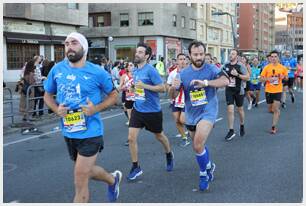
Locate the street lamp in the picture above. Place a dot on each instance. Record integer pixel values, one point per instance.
(231, 17)
(110, 38)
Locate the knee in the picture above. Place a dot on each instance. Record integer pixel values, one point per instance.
(81, 177)
(159, 136)
(197, 147)
(230, 110)
(132, 139)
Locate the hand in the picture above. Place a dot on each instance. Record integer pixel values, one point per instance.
(88, 109)
(197, 83)
(139, 84)
(176, 83)
(234, 72)
(62, 110)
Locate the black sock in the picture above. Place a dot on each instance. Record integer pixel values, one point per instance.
(169, 155)
(135, 164)
(273, 127)
(242, 126)
(231, 130)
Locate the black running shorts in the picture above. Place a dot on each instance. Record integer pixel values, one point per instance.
(129, 104)
(234, 97)
(86, 147)
(270, 97)
(152, 121)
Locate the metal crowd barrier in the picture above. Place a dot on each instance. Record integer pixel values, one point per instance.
(28, 99)
(9, 100)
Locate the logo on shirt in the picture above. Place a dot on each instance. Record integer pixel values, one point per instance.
(86, 77)
(59, 75)
(71, 77)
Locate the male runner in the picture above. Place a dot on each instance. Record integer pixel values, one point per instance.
(273, 74)
(290, 63)
(78, 85)
(178, 104)
(234, 92)
(199, 81)
(147, 110)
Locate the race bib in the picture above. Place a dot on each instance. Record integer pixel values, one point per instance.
(130, 96)
(275, 81)
(74, 121)
(198, 97)
(140, 94)
(232, 82)
(254, 81)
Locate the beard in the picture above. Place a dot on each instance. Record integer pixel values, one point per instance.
(198, 63)
(137, 60)
(75, 56)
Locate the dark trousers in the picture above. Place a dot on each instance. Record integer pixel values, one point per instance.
(38, 92)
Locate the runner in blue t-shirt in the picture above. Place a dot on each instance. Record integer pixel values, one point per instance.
(255, 85)
(291, 64)
(199, 81)
(78, 85)
(147, 110)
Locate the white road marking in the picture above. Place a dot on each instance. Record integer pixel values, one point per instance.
(53, 132)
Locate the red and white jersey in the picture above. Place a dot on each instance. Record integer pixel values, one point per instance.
(179, 101)
(128, 82)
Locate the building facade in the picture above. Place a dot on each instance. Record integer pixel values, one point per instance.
(289, 27)
(115, 29)
(216, 30)
(37, 29)
(256, 27)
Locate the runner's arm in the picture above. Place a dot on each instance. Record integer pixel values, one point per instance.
(50, 102)
(110, 100)
(220, 82)
(156, 88)
(172, 92)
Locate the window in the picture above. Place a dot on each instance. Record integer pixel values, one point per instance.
(73, 6)
(18, 54)
(59, 53)
(90, 21)
(192, 24)
(174, 20)
(183, 22)
(124, 20)
(100, 19)
(145, 18)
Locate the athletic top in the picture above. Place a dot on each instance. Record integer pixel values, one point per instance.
(72, 87)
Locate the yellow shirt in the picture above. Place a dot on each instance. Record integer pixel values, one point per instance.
(274, 71)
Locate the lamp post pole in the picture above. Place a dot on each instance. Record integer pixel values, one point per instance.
(232, 24)
(109, 39)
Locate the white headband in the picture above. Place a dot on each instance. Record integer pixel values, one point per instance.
(81, 39)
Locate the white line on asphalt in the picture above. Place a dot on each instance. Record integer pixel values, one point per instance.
(53, 132)
(262, 101)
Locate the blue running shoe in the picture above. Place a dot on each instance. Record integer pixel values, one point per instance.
(210, 172)
(134, 173)
(170, 162)
(113, 190)
(203, 184)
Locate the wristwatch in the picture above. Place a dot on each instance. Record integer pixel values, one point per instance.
(238, 75)
(205, 82)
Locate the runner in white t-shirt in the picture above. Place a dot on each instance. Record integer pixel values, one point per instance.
(178, 104)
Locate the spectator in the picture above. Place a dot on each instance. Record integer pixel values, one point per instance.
(25, 82)
(215, 61)
(38, 91)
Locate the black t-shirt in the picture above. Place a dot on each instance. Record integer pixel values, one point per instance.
(235, 82)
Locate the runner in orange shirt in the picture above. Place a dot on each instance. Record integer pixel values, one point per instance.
(273, 74)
